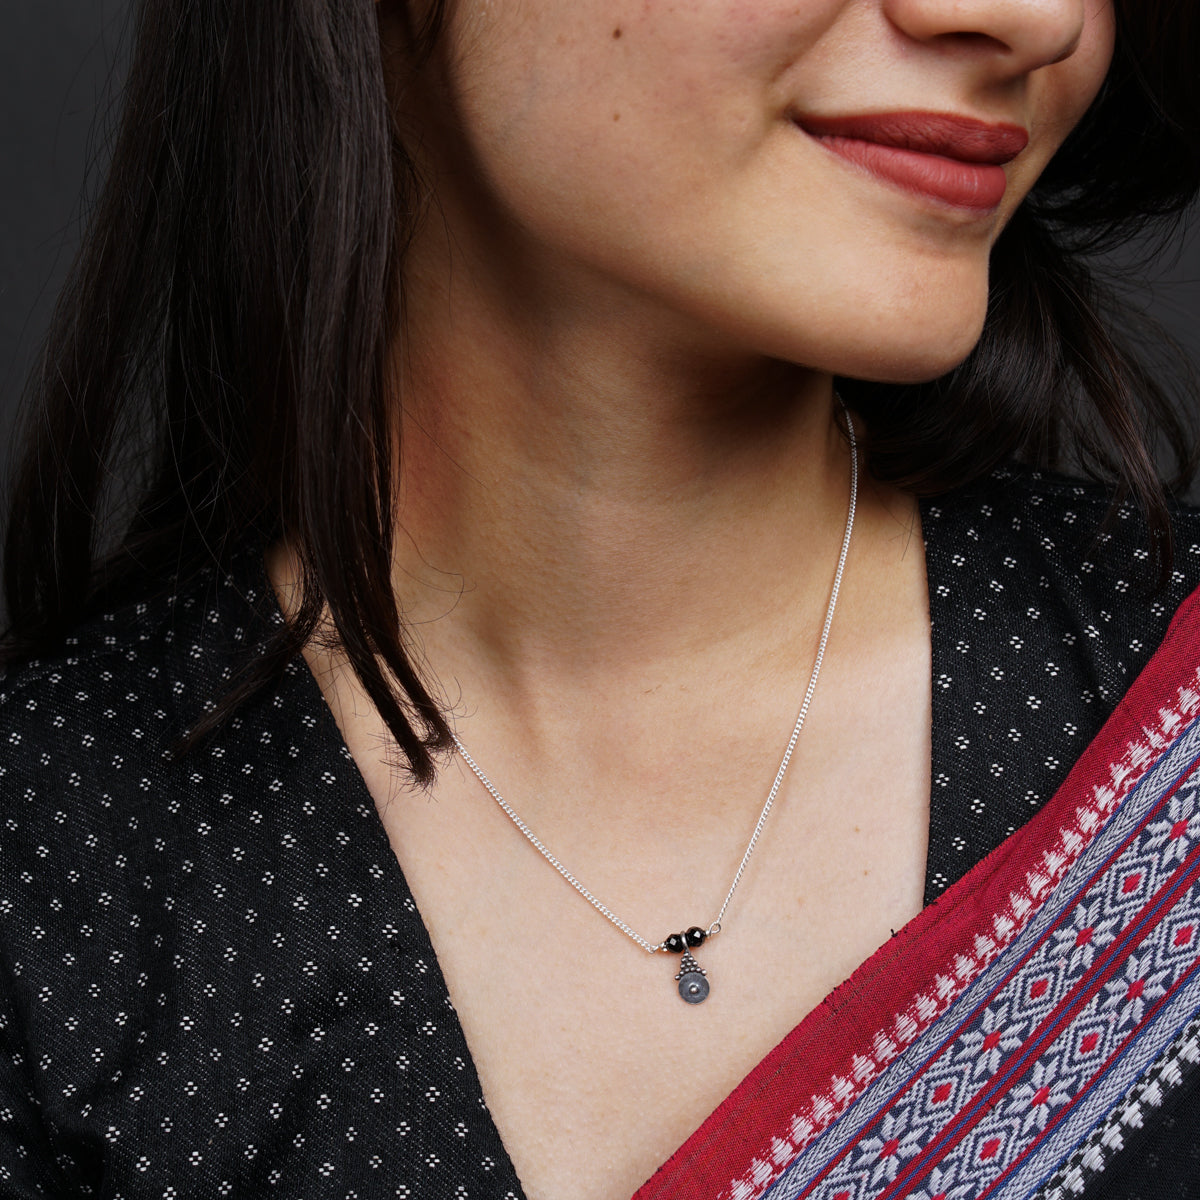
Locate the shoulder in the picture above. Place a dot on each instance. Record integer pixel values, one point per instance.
(145, 670)
(87, 733)
(104, 821)
(1068, 530)
(1030, 560)
(1031, 508)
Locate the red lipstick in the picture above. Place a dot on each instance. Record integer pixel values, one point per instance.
(957, 160)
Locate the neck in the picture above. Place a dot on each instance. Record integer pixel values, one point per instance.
(577, 500)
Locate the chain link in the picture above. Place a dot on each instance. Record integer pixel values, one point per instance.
(715, 926)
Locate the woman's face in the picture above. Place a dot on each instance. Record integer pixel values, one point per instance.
(763, 174)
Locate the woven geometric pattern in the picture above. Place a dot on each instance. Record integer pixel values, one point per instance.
(986, 1044)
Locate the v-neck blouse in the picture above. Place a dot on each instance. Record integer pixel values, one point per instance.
(213, 977)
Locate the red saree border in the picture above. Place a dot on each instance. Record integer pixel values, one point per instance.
(893, 997)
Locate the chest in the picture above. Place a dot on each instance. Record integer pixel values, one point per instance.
(593, 1068)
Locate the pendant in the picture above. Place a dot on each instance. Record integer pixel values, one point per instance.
(693, 986)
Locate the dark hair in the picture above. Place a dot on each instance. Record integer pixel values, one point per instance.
(215, 372)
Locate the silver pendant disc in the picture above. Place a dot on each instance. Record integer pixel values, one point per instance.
(693, 987)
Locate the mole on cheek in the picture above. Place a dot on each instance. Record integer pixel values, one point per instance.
(617, 32)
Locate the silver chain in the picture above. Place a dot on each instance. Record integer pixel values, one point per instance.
(715, 926)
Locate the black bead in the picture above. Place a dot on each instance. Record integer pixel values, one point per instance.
(675, 943)
(696, 936)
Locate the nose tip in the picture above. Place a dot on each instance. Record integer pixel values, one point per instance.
(1031, 33)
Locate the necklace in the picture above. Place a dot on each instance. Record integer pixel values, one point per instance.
(691, 977)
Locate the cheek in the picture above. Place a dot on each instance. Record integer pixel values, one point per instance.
(559, 119)
(629, 86)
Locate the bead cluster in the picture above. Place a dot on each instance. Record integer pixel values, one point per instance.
(677, 943)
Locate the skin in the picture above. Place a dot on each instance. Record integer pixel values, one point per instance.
(622, 499)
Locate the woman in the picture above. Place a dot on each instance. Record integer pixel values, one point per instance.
(487, 360)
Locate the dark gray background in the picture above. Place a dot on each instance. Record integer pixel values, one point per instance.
(61, 64)
(56, 57)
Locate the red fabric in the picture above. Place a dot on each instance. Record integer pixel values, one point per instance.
(938, 943)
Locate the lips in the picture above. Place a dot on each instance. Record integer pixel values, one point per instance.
(956, 160)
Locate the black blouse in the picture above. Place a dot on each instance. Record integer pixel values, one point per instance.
(213, 978)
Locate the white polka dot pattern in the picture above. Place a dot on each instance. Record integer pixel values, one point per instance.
(213, 979)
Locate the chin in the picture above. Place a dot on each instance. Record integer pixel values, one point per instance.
(887, 330)
(912, 352)
(914, 368)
